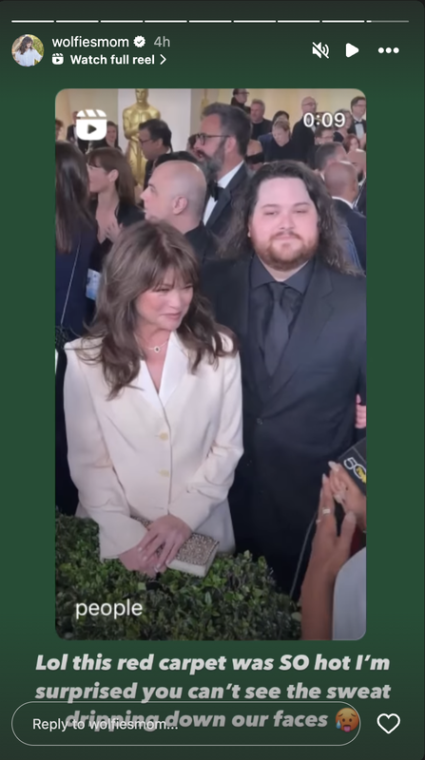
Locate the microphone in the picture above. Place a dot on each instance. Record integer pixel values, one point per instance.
(354, 462)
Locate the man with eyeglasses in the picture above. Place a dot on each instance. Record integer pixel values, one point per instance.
(155, 141)
(221, 147)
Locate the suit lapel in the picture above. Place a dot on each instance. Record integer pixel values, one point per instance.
(223, 201)
(139, 407)
(226, 195)
(176, 368)
(143, 382)
(315, 311)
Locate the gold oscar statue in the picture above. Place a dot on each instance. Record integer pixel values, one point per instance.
(140, 112)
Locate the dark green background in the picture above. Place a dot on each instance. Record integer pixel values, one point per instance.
(267, 55)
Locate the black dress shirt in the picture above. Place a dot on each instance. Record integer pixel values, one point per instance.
(262, 128)
(260, 301)
(203, 242)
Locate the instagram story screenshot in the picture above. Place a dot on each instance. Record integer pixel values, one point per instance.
(189, 556)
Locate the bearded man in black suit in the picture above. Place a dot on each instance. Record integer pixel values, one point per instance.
(299, 313)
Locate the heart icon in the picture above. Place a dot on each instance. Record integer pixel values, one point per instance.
(388, 718)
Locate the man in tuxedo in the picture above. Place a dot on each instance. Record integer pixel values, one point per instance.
(221, 147)
(303, 136)
(341, 182)
(301, 323)
(358, 159)
(176, 194)
(358, 110)
(71, 135)
(260, 125)
(155, 140)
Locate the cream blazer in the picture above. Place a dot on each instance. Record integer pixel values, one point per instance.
(151, 454)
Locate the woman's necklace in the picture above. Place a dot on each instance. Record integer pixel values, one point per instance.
(157, 349)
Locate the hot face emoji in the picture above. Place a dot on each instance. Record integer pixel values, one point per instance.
(347, 720)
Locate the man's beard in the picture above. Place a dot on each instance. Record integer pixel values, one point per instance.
(212, 165)
(281, 256)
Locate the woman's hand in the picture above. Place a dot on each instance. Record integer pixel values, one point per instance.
(346, 493)
(329, 551)
(168, 533)
(132, 560)
(360, 414)
(113, 229)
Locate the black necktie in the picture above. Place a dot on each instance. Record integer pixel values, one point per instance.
(277, 329)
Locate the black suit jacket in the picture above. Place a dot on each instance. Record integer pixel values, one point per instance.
(303, 139)
(352, 129)
(308, 418)
(361, 200)
(82, 144)
(356, 223)
(148, 173)
(203, 242)
(219, 220)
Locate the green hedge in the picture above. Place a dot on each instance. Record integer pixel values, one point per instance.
(236, 601)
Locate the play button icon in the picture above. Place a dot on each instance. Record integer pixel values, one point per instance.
(350, 50)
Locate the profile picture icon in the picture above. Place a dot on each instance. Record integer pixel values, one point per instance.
(347, 720)
(28, 50)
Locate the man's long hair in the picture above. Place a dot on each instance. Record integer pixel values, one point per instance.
(330, 250)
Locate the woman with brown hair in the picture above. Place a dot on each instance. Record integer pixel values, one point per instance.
(351, 142)
(110, 140)
(341, 132)
(112, 189)
(75, 240)
(27, 55)
(75, 237)
(153, 405)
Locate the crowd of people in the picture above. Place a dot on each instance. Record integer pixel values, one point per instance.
(211, 335)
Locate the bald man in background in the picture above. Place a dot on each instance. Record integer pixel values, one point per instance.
(342, 184)
(358, 159)
(176, 194)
